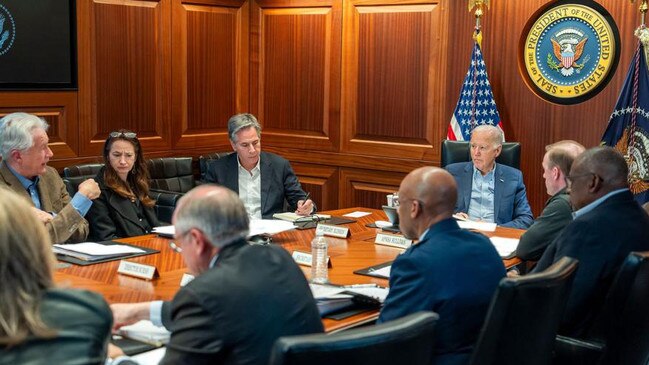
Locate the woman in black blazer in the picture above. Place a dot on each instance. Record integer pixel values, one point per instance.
(124, 208)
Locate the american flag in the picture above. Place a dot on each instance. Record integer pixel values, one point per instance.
(476, 105)
(628, 127)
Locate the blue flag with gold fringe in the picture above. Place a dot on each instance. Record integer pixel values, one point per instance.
(628, 127)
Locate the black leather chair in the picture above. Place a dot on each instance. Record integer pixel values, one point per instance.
(620, 334)
(408, 340)
(460, 151)
(165, 200)
(524, 316)
(75, 175)
(204, 161)
(171, 174)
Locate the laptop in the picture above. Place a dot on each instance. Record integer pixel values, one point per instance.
(393, 217)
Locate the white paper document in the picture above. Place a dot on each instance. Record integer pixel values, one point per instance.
(377, 292)
(269, 226)
(480, 226)
(145, 331)
(383, 272)
(96, 249)
(504, 246)
(356, 214)
(152, 357)
(165, 231)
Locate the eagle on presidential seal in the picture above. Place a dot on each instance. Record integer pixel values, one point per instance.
(568, 47)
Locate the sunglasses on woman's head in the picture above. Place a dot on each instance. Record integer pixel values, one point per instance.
(122, 134)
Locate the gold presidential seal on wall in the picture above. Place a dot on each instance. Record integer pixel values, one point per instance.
(569, 51)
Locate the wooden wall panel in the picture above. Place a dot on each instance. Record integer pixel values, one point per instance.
(367, 188)
(124, 73)
(392, 78)
(58, 109)
(295, 79)
(321, 181)
(210, 70)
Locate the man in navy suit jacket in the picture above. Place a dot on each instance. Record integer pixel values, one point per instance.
(608, 225)
(264, 181)
(488, 191)
(451, 271)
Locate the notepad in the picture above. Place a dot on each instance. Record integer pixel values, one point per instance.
(504, 246)
(294, 217)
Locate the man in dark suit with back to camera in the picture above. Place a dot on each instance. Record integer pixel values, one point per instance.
(244, 296)
(608, 225)
(489, 191)
(263, 180)
(557, 213)
(451, 271)
(25, 153)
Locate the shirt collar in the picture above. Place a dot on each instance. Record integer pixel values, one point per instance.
(596, 203)
(254, 169)
(489, 174)
(25, 182)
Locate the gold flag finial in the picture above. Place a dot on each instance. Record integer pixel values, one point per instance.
(479, 12)
(643, 11)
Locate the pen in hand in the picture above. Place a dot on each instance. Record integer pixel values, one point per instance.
(306, 198)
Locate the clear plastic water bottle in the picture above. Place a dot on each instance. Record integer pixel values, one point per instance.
(319, 273)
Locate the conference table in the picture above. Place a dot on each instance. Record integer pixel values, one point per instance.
(346, 255)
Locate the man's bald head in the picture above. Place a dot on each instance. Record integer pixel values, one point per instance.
(427, 195)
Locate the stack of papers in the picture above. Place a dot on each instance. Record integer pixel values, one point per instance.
(479, 226)
(330, 299)
(504, 246)
(146, 332)
(257, 226)
(165, 231)
(91, 251)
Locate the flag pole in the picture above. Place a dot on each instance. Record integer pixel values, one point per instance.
(641, 32)
(643, 12)
(479, 6)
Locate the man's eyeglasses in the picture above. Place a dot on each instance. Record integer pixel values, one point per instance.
(130, 135)
(571, 179)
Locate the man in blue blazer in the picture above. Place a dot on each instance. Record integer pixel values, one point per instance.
(450, 271)
(488, 191)
(264, 181)
(608, 225)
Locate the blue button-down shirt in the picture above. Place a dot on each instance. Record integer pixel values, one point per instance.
(481, 206)
(79, 202)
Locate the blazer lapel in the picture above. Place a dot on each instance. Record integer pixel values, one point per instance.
(123, 208)
(231, 175)
(499, 182)
(266, 168)
(468, 181)
(12, 182)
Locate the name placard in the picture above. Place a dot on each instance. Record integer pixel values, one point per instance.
(304, 258)
(137, 270)
(392, 240)
(334, 231)
(186, 279)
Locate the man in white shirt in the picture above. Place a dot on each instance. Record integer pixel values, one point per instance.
(264, 181)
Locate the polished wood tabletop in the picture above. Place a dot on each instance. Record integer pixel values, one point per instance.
(347, 255)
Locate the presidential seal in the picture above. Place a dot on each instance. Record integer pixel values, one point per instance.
(569, 51)
(7, 30)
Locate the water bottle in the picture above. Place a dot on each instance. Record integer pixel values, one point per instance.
(319, 273)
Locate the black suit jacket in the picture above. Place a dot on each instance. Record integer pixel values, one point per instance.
(234, 312)
(113, 216)
(600, 239)
(278, 181)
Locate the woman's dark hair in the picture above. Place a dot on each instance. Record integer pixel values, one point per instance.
(138, 177)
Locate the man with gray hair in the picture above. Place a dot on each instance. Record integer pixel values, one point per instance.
(24, 170)
(608, 225)
(489, 191)
(244, 296)
(557, 213)
(264, 181)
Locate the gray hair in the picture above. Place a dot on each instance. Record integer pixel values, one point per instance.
(214, 210)
(16, 132)
(242, 121)
(495, 134)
